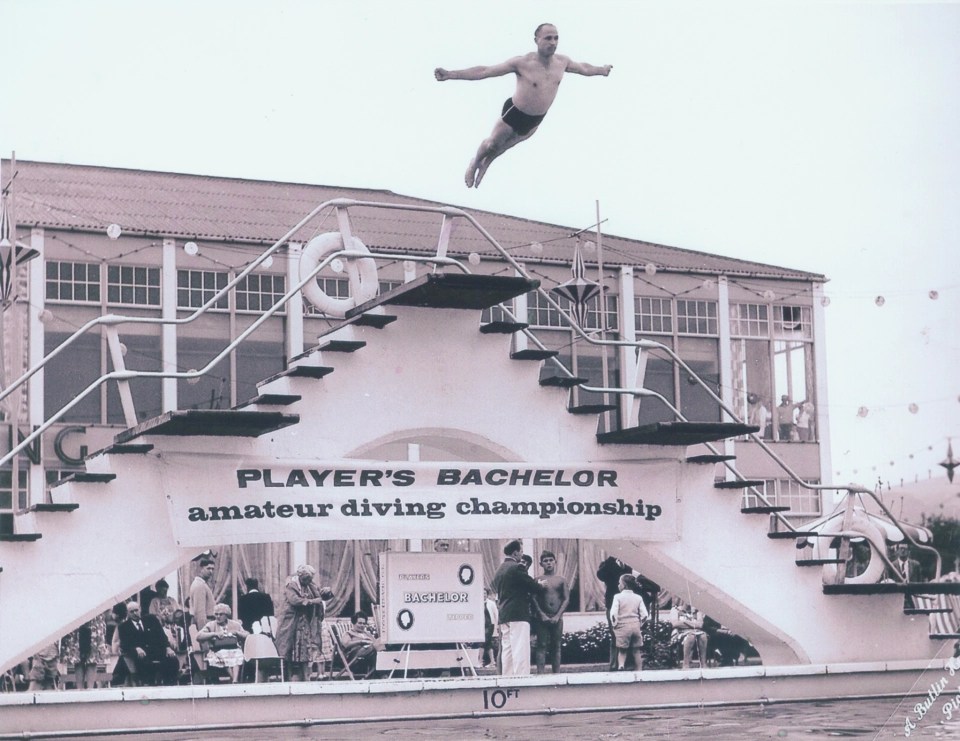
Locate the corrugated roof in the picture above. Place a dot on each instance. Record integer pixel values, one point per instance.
(201, 207)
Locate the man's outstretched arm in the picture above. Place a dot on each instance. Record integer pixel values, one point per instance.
(476, 73)
(588, 70)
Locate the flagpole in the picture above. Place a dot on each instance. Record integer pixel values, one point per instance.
(10, 303)
(601, 298)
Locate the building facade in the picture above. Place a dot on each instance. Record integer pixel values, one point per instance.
(158, 246)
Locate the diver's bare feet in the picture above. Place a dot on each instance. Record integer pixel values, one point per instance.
(481, 170)
(471, 176)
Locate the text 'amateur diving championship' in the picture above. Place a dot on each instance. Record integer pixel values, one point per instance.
(375, 497)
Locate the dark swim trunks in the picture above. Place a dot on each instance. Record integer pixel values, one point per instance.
(522, 123)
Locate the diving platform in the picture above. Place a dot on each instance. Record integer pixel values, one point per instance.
(675, 433)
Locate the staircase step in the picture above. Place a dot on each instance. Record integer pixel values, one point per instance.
(377, 321)
(592, 408)
(788, 534)
(85, 477)
(533, 354)
(564, 382)
(299, 371)
(19, 537)
(711, 458)
(925, 610)
(451, 291)
(764, 509)
(330, 346)
(342, 346)
(127, 449)
(278, 400)
(935, 587)
(818, 561)
(736, 484)
(53, 507)
(503, 327)
(211, 422)
(675, 433)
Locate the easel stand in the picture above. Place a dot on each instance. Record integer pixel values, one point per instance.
(431, 658)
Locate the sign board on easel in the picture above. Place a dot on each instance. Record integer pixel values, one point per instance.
(431, 598)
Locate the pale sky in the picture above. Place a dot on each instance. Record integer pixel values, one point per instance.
(818, 136)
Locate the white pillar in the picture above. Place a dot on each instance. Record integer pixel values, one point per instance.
(628, 355)
(294, 323)
(414, 545)
(821, 414)
(36, 291)
(520, 313)
(725, 355)
(168, 335)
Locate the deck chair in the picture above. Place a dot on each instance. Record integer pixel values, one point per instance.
(259, 647)
(340, 664)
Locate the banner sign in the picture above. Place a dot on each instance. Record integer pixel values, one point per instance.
(372, 499)
(431, 597)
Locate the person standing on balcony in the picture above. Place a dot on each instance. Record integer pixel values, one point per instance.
(784, 416)
(538, 78)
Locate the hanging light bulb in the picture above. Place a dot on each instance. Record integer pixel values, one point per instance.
(650, 269)
(934, 295)
(825, 301)
(536, 248)
(769, 295)
(707, 283)
(45, 316)
(114, 231)
(863, 412)
(473, 258)
(267, 263)
(880, 301)
(195, 380)
(191, 248)
(336, 265)
(913, 408)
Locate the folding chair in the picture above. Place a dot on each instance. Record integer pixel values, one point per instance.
(340, 664)
(260, 647)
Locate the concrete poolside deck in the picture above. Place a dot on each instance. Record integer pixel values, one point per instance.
(142, 710)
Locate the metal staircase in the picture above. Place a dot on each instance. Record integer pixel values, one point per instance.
(107, 531)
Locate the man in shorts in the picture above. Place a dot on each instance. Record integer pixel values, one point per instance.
(538, 78)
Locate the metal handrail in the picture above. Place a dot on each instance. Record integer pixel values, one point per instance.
(113, 320)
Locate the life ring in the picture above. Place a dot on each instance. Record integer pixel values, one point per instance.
(362, 272)
(826, 548)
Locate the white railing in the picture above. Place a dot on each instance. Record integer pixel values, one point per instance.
(111, 322)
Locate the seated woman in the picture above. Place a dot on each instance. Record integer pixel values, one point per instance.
(688, 632)
(224, 637)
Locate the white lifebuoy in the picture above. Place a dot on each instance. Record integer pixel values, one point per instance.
(362, 272)
(859, 523)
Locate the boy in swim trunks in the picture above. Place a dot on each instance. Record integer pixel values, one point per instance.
(538, 78)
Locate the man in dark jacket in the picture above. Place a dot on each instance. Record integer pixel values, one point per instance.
(514, 588)
(254, 605)
(145, 648)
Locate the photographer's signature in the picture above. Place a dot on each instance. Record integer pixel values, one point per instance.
(951, 703)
